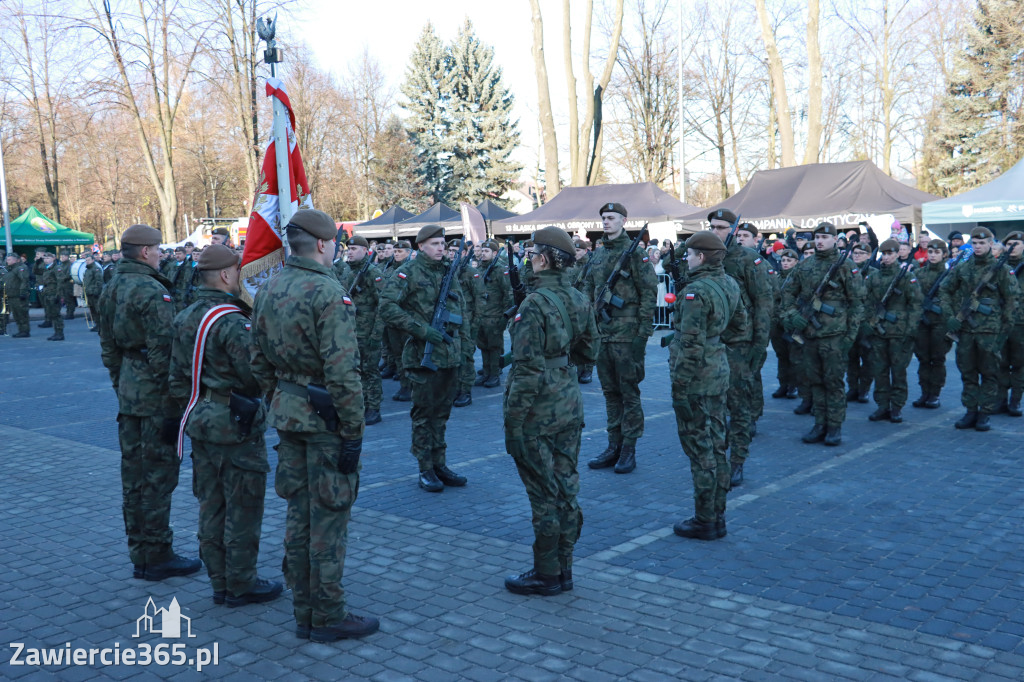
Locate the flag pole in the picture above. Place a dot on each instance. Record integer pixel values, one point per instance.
(273, 56)
(3, 202)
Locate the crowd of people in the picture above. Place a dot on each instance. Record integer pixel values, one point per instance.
(188, 357)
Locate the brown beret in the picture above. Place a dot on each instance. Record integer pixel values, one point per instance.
(217, 257)
(889, 245)
(722, 214)
(789, 253)
(825, 228)
(141, 235)
(857, 246)
(47, 254)
(528, 243)
(705, 241)
(1014, 237)
(316, 223)
(359, 241)
(429, 232)
(556, 237)
(612, 208)
(490, 244)
(936, 243)
(981, 233)
(403, 244)
(223, 231)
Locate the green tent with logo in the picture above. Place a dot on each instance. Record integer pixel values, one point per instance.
(32, 228)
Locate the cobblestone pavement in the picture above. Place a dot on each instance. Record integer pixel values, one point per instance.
(898, 555)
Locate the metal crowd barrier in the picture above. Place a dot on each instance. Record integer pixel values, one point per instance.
(663, 311)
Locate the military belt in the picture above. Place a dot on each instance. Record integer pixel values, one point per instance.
(556, 362)
(216, 397)
(292, 388)
(137, 353)
(630, 310)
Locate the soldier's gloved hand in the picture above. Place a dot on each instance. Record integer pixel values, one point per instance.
(639, 346)
(797, 322)
(169, 430)
(953, 325)
(348, 458)
(433, 336)
(515, 445)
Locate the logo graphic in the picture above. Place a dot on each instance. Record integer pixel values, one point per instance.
(170, 621)
(967, 210)
(42, 225)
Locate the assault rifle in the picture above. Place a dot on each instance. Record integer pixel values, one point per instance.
(582, 277)
(673, 268)
(468, 258)
(882, 313)
(442, 316)
(810, 309)
(732, 232)
(357, 283)
(518, 288)
(930, 305)
(606, 296)
(490, 266)
(974, 303)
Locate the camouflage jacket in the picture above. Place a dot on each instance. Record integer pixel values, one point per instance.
(469, 279)
(578, 276)
(226, 368)
(367, 299)
(495, 291)
(136, 314)
(303, 329)
(343, 272)
(1000, 295)
(65, 283)
(639, 291)
(846, 296)
(109, 270)
(538, 397)
(16, 282)
(92, 283)
(927, 275)
(180, 277)
(708, 304)
(1015, 263)
(49, 280)
(751, 272)
(904, 304)
(408, 304)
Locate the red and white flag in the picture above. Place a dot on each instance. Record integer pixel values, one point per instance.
(264, 254)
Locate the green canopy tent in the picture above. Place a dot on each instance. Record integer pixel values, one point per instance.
(32, 228)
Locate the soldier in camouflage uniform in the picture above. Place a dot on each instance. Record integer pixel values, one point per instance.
(552, 331)
(305, 348)
(782, 344)
(137, 315)
(495, 297)
(366, 295)
(620, 363)
(579, 277)
(49, 291)
(859, 373)
(744, 346)
(931, 345)
(891, 327)
(396, 338)
(16, 288)
(226, 425)
(699, 369)
(979, 344)
(747, 235)
(180, 276)
(1011, 375)
(826, 347)
(408, 304)
(469, 280)
(92, 287)
(66, 285)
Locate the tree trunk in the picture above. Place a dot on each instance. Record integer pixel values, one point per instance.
(813, 151)
(778, 77)
(570, 87)
(552, 182)
(720, 133)
(47, 157)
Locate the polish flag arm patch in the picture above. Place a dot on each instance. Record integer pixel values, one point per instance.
(518, 317)
(402, 275)
(346, 300)
(690, 297)
(167, 297)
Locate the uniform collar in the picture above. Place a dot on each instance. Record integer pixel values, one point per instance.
(308, 264)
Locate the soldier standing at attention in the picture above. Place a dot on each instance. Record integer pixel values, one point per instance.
(700, 374)
(49, 290)
(180, 275)
(226, 425)
(788, 375)
(408, 305)
(494, 299)
(931, 345)
(92, 286)
(305, 351)
(66, 285)
(620, 363)
(825, 348)
(137, 315)
(395, 338)
(220, 235)
(859, 374)
(744, 346)
(981, 339)
(16, 288)
(366, 295)
(891, 328)
(1011, 376)
(582, 284)
(553, 330)
(469, 280)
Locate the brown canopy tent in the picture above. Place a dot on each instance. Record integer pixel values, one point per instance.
(841, 193)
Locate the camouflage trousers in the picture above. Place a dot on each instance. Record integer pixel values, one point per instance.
(467, 370)
(889, 361)
(740, 399)
(395, 340)
(700, 420)
(51, 306)
(369, 373)
(758, 356)
(490, 338)
(230, 483)
(977, 358)
(552, 483)
(19, 311)
(931, 346)
(621, 372)
(823, 365)
(432, 396)
(859, 374)
(1011, 370)
(149, 475)
(787, 369)
(320, 500)
(70, 301)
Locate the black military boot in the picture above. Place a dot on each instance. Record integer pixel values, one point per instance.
(933, 402)
(46, 325)
(480, 379)
(607, 458)
(21, 335)
(967, 421)
(780, 392)
(430, 482)
(627, 460)
(351, 628)
(492, 382)
(404, 395)
(463, 400)
(896, 415)
(59, 336)
(179, 565)
(792, 393)
(372, 417)
(851, 395)
(804, 407)
(261, 591)
(449, 477)
(387, 373)
(720, 531)
(565, 579)
(815, 435)
(533, 582)
(586, 375)
(1013, 407)
(862, 397)
(697, 530)
(834, 435)
(922, 401)
(881, 414)
(736, 479)
(983, 422)
(1001, 407)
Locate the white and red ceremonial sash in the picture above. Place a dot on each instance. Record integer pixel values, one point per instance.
(205, 325)
(264, 254)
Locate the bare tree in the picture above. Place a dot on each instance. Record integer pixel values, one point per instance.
(779, 92)
(813, 150)
(547, 120)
